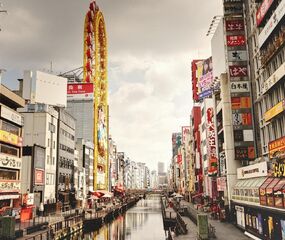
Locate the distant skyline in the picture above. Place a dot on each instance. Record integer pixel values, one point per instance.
(150, 48)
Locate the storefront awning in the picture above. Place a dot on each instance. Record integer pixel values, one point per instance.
(9, 196)
(249, 183)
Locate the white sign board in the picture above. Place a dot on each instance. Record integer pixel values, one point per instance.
(237, 56)
(8, 161)
(240, 86)
(11, 115)
(251, 171)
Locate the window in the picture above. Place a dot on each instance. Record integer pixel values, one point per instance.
(47, 159)
(53, 160)
(48, 142)
(53, 144)
(9, 150)
(10, 128)
(9, 174)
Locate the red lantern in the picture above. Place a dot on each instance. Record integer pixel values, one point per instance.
(88, 66)
(89, 27)
(87, 78)
(92, 6)
(89, 52)
(89, 40)
(90, 15)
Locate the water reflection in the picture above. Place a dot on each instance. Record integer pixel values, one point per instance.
(142, 222)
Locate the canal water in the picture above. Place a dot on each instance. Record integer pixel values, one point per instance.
(141, 222)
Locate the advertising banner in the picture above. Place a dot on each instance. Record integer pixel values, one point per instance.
(235, 40)
(8, 161)
(237, 56)
(205, 77)
(234, 25)
(176, 142)
(221, 184)
(244, 119)
(76, 91)
(10, 186)
(262, 10)
(233, 7)
(244, 153)
(211, 142)
(238, 71)
(240, 103)
(10, 138)
(277, 149)
(39, 176)
(11, 115)
(272, 23)
(240, 87)
(185, 134)
(278, 108)
(252, 171)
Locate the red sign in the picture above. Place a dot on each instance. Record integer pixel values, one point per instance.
(39, 176)
(179, 158)
(221, 184)
(234, 25)
(185, 133)
(211, 142)
(79, 88)
(262, 10)
(235, 40)
(238, 71)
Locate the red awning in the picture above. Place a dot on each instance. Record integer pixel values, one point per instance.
(197, 195)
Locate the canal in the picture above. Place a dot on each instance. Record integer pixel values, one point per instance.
(142, 222)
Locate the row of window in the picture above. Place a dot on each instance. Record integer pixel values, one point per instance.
(50, 179)
(65, 148)
(9, 174)
(65, 163)
(273, 131)
(66, 134)
(50, 160)
(9, 150)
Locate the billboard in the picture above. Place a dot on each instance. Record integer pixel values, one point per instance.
(235, 40)
(240, 87)
(272, 23)
(205, 77)
(9, 161)
(252, 171)
(11, 138)
(262, 10)
(185, 134)
(277, 149)
(39, 176)
(240, 103)
(176, 143)
(211, 143)
(271, 113)
(237, 56)
(244, 153)
(11, 115)
(40, 87)
(238, 71)
(79, 91)
(234, 25)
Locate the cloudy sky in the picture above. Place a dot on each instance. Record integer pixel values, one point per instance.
(151, 44)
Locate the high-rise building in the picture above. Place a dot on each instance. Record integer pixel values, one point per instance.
(11, 130)
(160, 168)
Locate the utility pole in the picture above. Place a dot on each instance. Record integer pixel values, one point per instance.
(2, 11)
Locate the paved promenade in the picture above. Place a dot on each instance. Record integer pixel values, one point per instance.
(224, 230)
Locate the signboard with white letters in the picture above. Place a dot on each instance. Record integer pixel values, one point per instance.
(240, 86)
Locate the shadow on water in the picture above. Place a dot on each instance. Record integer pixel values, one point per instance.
(142, 222)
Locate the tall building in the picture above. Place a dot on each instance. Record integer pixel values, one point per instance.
(41, 127)
(11, 130)
(65, 163)
(160, 168)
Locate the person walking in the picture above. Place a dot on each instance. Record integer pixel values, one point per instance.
(41, 209)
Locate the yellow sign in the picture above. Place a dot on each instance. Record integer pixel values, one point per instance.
(280, 107)
(10, 138)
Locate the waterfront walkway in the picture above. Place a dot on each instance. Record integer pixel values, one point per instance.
(224, 230)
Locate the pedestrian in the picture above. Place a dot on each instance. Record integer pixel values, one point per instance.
(41, 209)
